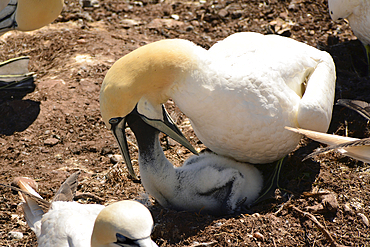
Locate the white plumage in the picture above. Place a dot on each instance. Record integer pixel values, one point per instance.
(239, 94)
(348, 146)
(206, 183)
(71, 224)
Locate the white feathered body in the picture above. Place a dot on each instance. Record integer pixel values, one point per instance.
(66, 224)
(205, 183)
(248, 87)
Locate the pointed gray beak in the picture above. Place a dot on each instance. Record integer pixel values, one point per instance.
(118, 126)
(166, 126)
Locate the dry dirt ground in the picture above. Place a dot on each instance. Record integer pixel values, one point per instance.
(57, 129)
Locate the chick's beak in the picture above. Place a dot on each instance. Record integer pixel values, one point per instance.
(166, 126)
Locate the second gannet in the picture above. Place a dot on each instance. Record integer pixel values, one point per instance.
(71, 224)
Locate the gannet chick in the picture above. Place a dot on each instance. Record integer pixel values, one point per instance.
(238, 95)
(207, 183)
(355, 148)
(68, 223)
(28, 15)
(357, 12)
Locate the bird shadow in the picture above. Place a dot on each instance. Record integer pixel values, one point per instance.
(16, 114)
(349, 57)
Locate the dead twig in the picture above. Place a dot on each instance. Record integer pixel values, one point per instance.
(204, 244)
(322, 228)
(90, 196)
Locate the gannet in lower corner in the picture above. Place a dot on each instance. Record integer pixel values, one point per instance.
(207, 183)
(355, 148)
(67, 223)
(238, 95)
(357, 12)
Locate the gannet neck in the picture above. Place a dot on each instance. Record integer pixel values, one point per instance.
(34, 14)
(150, 152)
(340, 9)
(113, 219)
(148, 72)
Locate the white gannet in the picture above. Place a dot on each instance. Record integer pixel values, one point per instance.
(239, 95)
(357, 12)
(68, 223)
(353, 147)
(207, 183)
(28, 15)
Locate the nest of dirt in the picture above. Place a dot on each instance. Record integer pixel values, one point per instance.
(57, 129)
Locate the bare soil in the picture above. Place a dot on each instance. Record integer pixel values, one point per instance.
(57, 129)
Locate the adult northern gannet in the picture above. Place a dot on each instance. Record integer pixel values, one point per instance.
(355, 148)
(207, 183)
(357, 12)
(239, 95)
(28, 15)
(68, 223)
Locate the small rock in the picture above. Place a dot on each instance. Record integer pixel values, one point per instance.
(115, 158)
(258, 236)
(51, 141)
(364, 219)
(16, 235)
(347, 209)
(223, 13)
(105, 151)
(175, 17)
(257, 215)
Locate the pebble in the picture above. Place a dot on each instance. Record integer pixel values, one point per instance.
(16, 235)
(258, 236)
(364, 219)
(115, 158)
(51, 141)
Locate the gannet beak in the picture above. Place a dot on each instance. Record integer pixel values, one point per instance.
(166, 126)
(118, 126)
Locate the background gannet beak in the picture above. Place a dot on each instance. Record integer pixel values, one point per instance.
(118, 126)
(166, 126)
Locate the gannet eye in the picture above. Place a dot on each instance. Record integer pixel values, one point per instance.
(124, 240)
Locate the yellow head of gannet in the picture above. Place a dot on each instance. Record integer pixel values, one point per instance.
(68, 223)
(238, 95)
(28, 15)
(125, 222)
